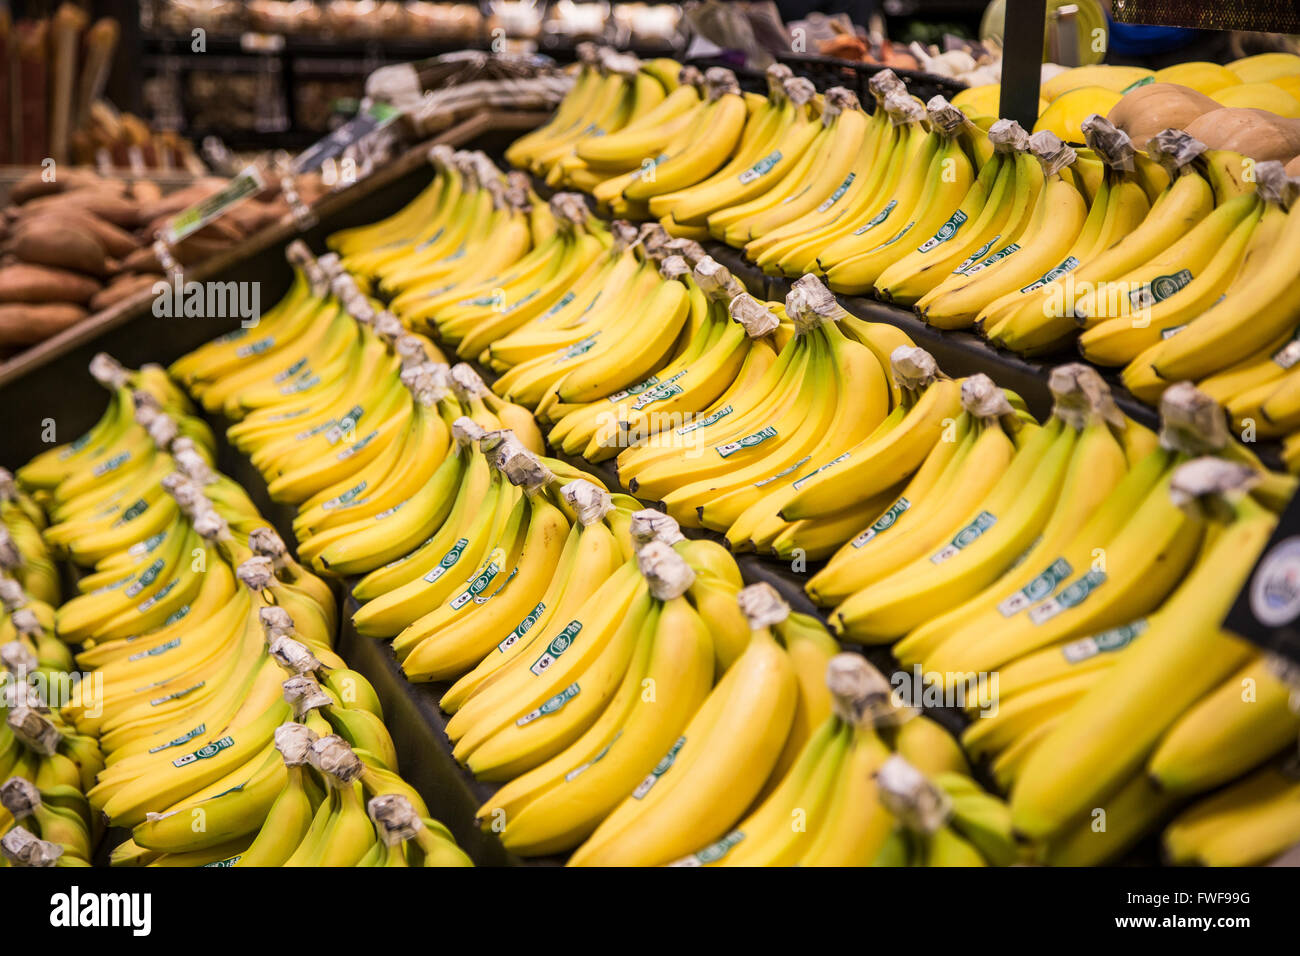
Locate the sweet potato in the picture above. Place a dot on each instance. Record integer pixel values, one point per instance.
(191, 251)
(145, 191)
(105, 202)
(34, 186)
(122, 288)
(59, 244)
(116, 242)
(26, 324)
(22, 282)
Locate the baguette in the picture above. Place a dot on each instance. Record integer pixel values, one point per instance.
(31, 94)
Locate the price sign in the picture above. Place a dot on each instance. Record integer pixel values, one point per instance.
(375, 118)
(191, 220)
(1267, 611)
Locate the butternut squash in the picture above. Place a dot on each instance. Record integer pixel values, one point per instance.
(1147, 110)
(1259, 134)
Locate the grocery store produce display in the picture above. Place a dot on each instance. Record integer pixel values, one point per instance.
(446, 405)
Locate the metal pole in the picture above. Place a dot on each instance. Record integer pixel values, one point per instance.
(1022, 56)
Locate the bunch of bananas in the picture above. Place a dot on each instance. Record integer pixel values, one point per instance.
(1129, 246)
(1236, 344)
(48, 824)
(471, 223)
(1166, 718)
(27, 632)
(729, 336)
(741, 786)
(981, 501)
(24, 555)
(540, 545)
(47, 763)
(188, 632)
(1044, 625)
(875, 785)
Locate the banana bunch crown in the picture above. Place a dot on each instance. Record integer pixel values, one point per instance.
(21, 848)
(34, 729)
(303, 693)
(809, 303)
(762, 606)
(1052, 154)
(394, 818)
(294, 741)
(883, 83)
(982, 398)
(913, 368)
(903, 108)
(860, 694)
(1080, 395)
(256, 573)
(1109, 142)
(108, 371)
(674, 267)
(688, 249)
(912, 797)
(1008, 136)
(838, 100)
(11, 559)
(667, 574)
(1191, 422)
(649, 525)
(293, 655)
(20, 797)
(945, 119)
(16, 656)
(799, 90)
(332, 756)
(1274, 185)
(1175, 151)
(716, 281)
(757, 319)
(588, 501)
(718, 82)
(1211, 485)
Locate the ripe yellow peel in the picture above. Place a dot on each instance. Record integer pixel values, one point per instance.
(1260, 96)
(1064, 114)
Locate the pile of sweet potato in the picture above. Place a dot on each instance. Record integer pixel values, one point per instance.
(83, 243)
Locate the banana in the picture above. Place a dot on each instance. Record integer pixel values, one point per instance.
(1117, 568)
(956, 477)
(1059, 214)
(591, 554)
(1117, 340)
(1227, 733)
(1182, 656)
(1244, 824)
(997, 534)
(1255, 310)
(446, 642)
(721, 761)
(1163, 237)
(853, 266)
